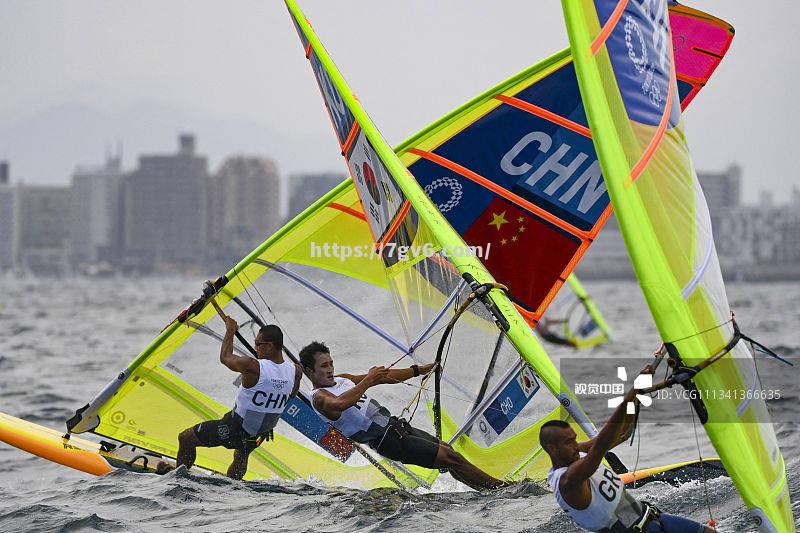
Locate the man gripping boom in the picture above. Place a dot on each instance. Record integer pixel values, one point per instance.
(268, 382)
(341, 401)
(590, 492)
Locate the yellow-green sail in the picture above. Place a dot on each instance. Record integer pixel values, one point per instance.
(573, 319)
(625, 63)
(176, 381)
(399, 211)
(156, 396)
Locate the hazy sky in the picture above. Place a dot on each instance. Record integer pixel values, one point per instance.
(98, 71)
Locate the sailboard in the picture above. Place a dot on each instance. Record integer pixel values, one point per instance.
(97, 458)
(100, 458)
(573, 319)
(626, 54)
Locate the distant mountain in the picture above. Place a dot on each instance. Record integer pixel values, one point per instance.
(45, 147)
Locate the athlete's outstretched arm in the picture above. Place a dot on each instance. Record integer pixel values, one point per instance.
(395, 375)
(585, 446)
(402, 374)
(332, 406)
(582, 469)
(624, 431)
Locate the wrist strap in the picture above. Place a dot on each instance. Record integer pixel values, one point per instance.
(415, 368)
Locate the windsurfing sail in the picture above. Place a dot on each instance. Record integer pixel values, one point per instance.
(445, 279)
(626, 53)
(491, 413)
(388, 305)
(322, 277)
(573, 319)
(448, 159)
(515, 170)
(473, 157)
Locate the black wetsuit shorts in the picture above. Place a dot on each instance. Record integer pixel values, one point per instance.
(408, 445)
(228, 432)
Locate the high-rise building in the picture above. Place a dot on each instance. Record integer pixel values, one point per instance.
(308, 188)
(789, 228)
(8, 222)
(95, 222)
(244, 205)
(43, 233)
(164, 209)
(722, 189)
(753, 235)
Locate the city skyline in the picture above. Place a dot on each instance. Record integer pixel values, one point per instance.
(170, 212)
(83, 76)
(148, 219)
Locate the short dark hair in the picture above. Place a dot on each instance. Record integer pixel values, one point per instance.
(273, 334)
(307, 353)
(544, 439)
(556, 424)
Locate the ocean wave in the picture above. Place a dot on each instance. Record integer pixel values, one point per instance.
(6, 363)
(183, 494)
(136, 503)
(36, 517)
(93, 522)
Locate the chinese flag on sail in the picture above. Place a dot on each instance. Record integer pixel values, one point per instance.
(526, 254)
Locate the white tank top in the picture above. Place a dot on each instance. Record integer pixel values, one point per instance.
(610, 503)
(260, 406)
(365, 422)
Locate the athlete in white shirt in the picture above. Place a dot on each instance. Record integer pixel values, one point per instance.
(341, 400)
(267, 384)
(590, 492)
